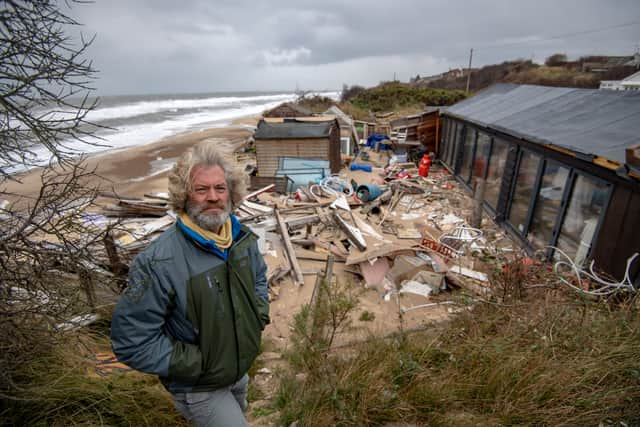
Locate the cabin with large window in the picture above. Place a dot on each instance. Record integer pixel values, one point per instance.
(556, 168)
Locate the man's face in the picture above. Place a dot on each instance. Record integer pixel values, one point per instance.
(208, 203)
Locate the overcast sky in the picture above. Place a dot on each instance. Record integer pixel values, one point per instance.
(169, 46)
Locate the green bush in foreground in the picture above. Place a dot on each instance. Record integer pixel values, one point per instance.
(560, 363)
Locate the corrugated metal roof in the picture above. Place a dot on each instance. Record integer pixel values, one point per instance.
(586, 121)
(292, 129)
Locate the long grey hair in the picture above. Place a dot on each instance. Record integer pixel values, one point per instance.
(204, 154)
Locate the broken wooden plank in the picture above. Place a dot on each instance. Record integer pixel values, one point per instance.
(278, 274)
(302, 221)
(257, 207)
(352, 232)
(310, 255)
(383, 250)
(316, 241)
(159, 196)
(297, 272)
(261, 190)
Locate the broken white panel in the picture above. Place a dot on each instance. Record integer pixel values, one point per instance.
(77, 322)
(451, 219)
(356, 234)
(18, 295)
(156, 224)
(144, 230)
(261, 232)
(367, 229)
(478, 275)
(340, 202)
(411, 215)
(414, 287)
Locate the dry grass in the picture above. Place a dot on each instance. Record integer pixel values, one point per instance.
(547, 359)
(554, 76)
(62, 388)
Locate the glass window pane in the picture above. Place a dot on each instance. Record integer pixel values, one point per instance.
(581, 219)
(467, 153)
(452, 142)
(458, 140)
(547, 205)
(483, 145)
(446, 139)
(525, 181)
(496, 169)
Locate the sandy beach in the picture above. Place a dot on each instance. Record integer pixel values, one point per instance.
(141, 169)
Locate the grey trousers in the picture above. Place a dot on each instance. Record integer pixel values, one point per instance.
(219, 408)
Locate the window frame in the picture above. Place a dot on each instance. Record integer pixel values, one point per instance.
(566, 200)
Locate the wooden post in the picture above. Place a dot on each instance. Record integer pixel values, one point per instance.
(478, 197)
(469, 70)
(86, 282)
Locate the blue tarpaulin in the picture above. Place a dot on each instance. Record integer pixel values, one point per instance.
(373, 139)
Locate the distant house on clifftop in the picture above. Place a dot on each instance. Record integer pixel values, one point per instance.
(631, 82)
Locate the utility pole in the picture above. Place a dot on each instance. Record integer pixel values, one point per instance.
(469, 70)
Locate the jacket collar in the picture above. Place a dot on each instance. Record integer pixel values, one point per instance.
(210, 245)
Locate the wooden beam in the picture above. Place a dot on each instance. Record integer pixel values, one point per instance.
(262, 190)
(606, 163)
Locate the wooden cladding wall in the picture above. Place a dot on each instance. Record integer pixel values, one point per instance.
(268, 152)
(428, 132)
(334, 157)
(619, 236)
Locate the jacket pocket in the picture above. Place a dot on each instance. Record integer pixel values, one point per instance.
(245, 280)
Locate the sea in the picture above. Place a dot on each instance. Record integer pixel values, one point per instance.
(131, 120)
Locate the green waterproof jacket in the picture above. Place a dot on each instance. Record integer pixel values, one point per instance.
(193, 314)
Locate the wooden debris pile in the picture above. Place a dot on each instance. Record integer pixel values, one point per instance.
(405, 234)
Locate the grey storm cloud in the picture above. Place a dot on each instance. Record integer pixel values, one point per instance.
(199, 45)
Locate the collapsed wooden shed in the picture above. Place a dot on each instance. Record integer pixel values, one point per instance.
(555, 168)
(422, 128)
(296, 138)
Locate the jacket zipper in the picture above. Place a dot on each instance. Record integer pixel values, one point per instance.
(220, 292)
(233, 316)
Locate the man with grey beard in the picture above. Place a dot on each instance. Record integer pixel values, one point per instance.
(197, 299)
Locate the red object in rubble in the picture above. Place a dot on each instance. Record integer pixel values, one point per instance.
(425, 164)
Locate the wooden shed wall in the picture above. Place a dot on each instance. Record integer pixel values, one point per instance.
(268, 151)
(334, 149)
(428, 131)
(619, 236)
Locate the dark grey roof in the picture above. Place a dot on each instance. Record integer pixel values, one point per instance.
(586, 121)
(293, 129)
